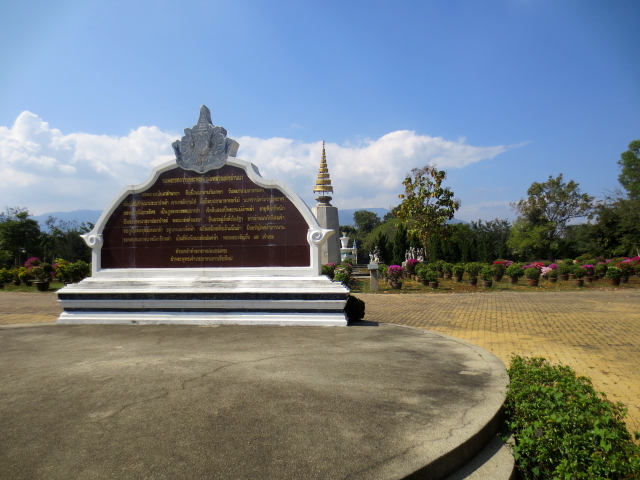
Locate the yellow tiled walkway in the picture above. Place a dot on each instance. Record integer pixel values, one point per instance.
(596, 333)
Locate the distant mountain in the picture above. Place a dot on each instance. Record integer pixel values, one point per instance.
(77, 215)
(346, 216)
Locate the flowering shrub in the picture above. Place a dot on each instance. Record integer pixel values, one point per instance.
(506, 263)
(538, 265)
(342, 274)
(601, 268)
(327, 269)
(395, 272)
(32, 262)
(626, 267)
(411, 266)
(591, 269)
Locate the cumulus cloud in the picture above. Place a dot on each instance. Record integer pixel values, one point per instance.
(45, 170)
(368, 174)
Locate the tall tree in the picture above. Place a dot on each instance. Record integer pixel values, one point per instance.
(365, 220)
(544, 215)
(629, 176)
(400, 244)
(427, 205)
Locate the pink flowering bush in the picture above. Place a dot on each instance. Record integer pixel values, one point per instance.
(591, 269)
(32, 262)
(538, 265)
(500, 261)
(395, 272)
(411, 266)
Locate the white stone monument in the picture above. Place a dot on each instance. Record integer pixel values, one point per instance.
(206, 240)
(326, 214)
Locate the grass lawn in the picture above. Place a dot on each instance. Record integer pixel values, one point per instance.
(10, 287)
(361, 285)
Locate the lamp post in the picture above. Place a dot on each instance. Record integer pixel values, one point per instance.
(20, 252)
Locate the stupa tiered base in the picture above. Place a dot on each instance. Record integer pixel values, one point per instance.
(201, 300)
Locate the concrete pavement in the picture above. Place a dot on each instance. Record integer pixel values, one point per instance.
(233, 402)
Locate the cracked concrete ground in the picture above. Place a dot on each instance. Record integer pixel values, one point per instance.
(167, 402)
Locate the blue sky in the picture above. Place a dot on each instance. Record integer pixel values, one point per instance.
(498, 93)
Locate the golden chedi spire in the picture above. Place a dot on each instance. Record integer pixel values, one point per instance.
(323, 183)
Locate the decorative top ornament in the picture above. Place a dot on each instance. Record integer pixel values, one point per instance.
(204, 147)
(323, 183)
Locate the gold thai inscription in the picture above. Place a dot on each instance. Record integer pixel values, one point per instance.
(140, 212)
(145, 221)
(218, 218)
(220, 258)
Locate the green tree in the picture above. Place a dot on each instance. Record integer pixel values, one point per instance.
(544, 215)
(427, 205)
(365, 220)
(62, 240)
(400, 244)
(616, 229)
(629, 176)
(19, 232)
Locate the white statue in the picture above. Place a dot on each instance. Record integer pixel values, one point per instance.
(376, 255)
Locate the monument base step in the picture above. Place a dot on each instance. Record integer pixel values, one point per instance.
(276, 300)
(197, 318)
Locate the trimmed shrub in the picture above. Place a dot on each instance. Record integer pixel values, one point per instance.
(514, 270)
(458, 270)
(329, 270)
(564, 429)
(354, 309)
(487, 272)
(532, 273)
(473, 269)
(342, 274)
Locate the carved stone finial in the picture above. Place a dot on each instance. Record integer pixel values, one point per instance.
(204, 147)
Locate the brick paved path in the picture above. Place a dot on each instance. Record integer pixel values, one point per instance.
(596, 333)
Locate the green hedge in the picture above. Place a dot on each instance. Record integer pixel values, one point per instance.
(563, 428)
(354, 308)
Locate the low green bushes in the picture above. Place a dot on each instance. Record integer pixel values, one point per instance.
(354, 309)
(563, 428)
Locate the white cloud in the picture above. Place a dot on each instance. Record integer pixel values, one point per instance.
(369, 174)
(45, 170)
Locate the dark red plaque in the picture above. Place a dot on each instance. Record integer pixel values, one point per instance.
(216, 219)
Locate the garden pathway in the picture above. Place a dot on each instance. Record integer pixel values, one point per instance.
(596, 333)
